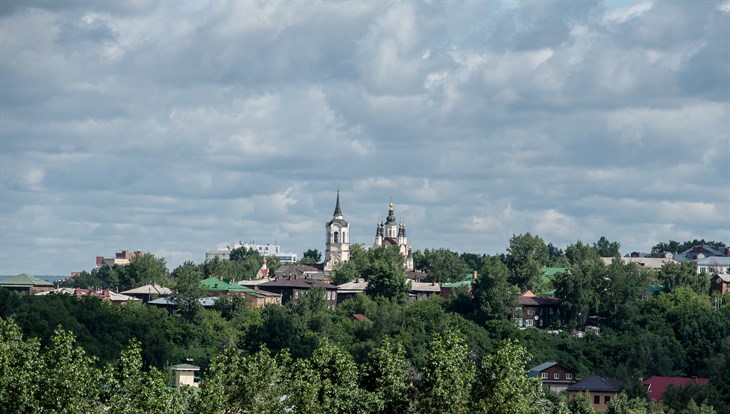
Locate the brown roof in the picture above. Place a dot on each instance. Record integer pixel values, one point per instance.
(529, 299)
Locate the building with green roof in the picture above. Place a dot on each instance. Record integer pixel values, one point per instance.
(26, 283)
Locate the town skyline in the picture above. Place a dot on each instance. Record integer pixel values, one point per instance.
(177, 127)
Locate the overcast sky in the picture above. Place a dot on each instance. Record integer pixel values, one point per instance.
(174, 127)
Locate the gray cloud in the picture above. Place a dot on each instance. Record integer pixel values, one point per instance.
(176, 127)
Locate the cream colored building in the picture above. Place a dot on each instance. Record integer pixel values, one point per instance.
(391, 233)
(184, 375)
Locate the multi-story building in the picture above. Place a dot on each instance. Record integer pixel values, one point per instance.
(121, 258)
(265, 250)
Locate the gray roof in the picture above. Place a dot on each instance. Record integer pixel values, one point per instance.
(714, 261)
(168, 301)
(425, 287)
(536, 370)
(151, 289)
(184, 367)
(596, 384)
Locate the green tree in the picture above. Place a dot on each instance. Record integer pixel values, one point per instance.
(623, 405)
(311, 256)
(133, 390)
(606, 248)
(448, 376)
(20, 369)
(187, 290)
(621, 287)
(502, 384)
(581, 404)
(577, 294)
(141, 270)
(443, 265)
(245, 384)
(675, 275)
(526, 255)
(386, 376)
(386, 279)
(493, 296)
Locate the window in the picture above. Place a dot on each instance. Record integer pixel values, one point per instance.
(569, 376)
(556, 375)
(543, 375)
(596, 399)
(337, 237)
(606, 399)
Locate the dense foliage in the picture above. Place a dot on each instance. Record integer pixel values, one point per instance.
(461, 354)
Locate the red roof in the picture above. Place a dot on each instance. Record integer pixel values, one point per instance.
(657, 386)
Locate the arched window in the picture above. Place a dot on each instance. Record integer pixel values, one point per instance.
(337, 237)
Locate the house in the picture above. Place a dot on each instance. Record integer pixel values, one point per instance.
(290, 288)
(300, 271)
(26, 283)
(349, 290)
(169, 303)
(554, 376)
(537, 311)
(220, 287)
(701, 251)
(105, 294)
(146, 292)
(649, 263)
(185, 375)
(714, 264)
(260, 298)
(719, 283)
(601, 391)
(420, 290)
(465, 282)
(657, 386)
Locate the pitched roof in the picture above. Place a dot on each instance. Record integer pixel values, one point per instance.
(657, 386)
(359, 285)
(24, 280)
(529, 299)
(534, 371)
(215, 284)
(594, 383)
(297, 283)
(425, 287)
(151, 289)
(549, 272)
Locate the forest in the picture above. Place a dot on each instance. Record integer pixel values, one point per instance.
(457, 355)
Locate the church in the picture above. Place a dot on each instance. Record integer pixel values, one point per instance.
(337, 245)
(391, 233)
(337, 236)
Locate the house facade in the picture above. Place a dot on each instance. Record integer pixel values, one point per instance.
(554, 376)
(537, 311)
(600, 391)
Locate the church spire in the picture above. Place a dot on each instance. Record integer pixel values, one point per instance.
(338, 211)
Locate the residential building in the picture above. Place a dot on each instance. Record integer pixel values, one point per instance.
(420, 290)
(147, 292)
(537, 311)
(650, 263)
(554, 376)
(185, 375)
(600, 391)
(714, 264)
(719, 283)
(291, 288)
(105, 294)
(26, 283)
(265, 250)
(349, 290)
(121, 258)
(657, 386)
(391, 233)
(701, 251)
(337, 239)
(466, 281)
(301, 271)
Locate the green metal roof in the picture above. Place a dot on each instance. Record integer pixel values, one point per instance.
(23, 280)
(457, 284)
(215, 284)
(549, 272)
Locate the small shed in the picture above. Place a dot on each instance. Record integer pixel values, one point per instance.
(185, 375)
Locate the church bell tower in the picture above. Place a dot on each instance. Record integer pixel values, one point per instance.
(337, 245)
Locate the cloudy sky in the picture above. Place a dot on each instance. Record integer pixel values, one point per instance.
(174, 127)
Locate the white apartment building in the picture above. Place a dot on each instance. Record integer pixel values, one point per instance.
(265, 250)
